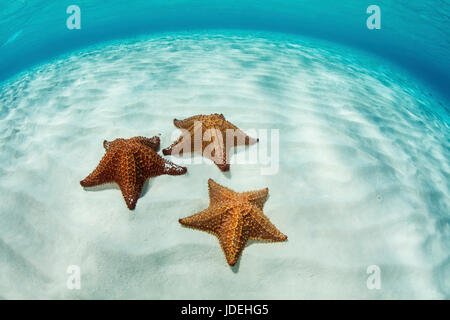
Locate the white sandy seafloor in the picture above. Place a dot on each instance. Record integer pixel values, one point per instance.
(363, 173)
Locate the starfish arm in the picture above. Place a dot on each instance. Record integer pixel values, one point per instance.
(104, 173)
(106, 145)
(220, 158)
(244, 139)
(237, 137)
(176, 147)
(152, 164)
(218, 193)
(130, 180)
(153, 142)
(233, 238)
(185, 143)
(216, 149)
(186, 123)
(172, 169)
(262, 229)
(257, 197)
(208, 220)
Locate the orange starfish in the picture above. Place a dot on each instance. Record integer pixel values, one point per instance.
(234, 218)
(129, 163)
(211, 135)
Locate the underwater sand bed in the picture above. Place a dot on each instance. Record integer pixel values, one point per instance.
(362, 173)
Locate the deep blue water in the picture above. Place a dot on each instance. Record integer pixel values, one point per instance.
(413, 34)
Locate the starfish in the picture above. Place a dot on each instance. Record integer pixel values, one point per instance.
(234, 218)
(211, 135)
(129, 163)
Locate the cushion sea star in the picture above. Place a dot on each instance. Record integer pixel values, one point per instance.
(129, 163)
(234, 218)
(211, 135)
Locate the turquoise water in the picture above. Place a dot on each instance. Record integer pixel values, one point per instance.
(414, 34)
(363, 126)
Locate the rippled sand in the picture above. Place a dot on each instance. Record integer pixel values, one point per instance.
(363, 173)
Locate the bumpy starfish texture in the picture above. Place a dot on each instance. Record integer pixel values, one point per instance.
(129, 163)
(234, 218)
(211, 135)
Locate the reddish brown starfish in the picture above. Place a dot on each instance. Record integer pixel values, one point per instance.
(211, 135)
(234, 218)
(129, 163)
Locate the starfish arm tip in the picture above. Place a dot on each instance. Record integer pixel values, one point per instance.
(232, 259)
(131, 203)
(174, 170)
(278, 238)
(86, 182)
(250, 141)
(106, 144)
(178, 123)
(183, 222)
(224, 166)
(232, 263)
